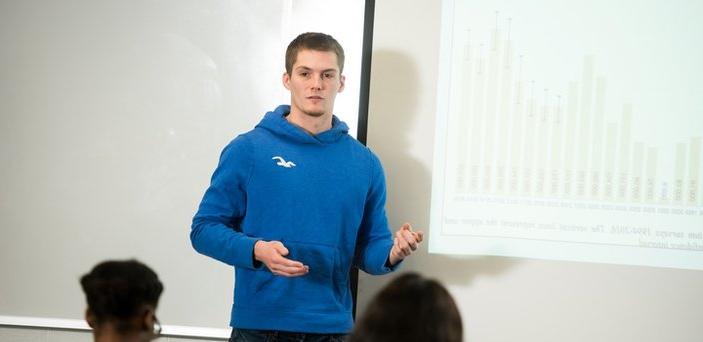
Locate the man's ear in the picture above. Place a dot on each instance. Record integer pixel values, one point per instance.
(342, 79)
(286, 80)
(148, 319)
(90, 318)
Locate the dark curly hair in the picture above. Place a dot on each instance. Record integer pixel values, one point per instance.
(313, 41)
(119, 290)
(410, 308)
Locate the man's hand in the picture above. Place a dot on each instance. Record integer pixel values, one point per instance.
(272, 254)
(405, 243)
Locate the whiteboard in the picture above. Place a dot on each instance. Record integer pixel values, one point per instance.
(112, 118)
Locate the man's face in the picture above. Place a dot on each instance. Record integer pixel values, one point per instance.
(314, 82)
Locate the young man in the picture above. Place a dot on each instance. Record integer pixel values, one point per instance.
(294, 204)
(122, 298)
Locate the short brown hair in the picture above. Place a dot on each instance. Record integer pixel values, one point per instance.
(410, 308)
(313, 41)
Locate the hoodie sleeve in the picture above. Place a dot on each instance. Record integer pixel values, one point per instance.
(215, 229)
(375, 239)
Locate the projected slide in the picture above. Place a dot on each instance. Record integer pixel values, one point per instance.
(570, 132)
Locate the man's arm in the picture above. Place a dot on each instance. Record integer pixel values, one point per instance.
(214, 230)
(377, 251)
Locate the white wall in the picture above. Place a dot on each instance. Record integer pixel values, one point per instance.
(502, 299)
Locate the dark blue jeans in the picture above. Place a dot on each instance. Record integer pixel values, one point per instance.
(249, 335)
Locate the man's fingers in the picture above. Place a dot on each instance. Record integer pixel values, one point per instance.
(289, 274)
(280, 265)
(409, 238)
(406, 241)
(280, 248)
(403, 243)
(274, 253)
(285, 262)
(417, 235)
(397, 249)
(290, 271)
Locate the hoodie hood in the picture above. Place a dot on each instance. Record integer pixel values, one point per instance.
(276, 123)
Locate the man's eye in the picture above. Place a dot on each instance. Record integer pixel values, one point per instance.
(304, 74)
(329, 75)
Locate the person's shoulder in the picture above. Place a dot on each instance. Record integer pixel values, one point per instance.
(356, 148)
(355, 144)
(363, 153)
(251, 137)
(241, 146)
(239, 141)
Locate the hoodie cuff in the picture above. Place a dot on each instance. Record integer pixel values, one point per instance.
(390, 268)
(245, 253)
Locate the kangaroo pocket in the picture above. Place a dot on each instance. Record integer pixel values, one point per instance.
(323, 289)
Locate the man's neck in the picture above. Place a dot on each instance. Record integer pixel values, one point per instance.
(310, 124)
(114, 337)
(108, 333)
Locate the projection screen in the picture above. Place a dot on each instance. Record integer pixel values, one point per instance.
(570, 131)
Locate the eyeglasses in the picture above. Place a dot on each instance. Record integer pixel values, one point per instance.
(157, 327)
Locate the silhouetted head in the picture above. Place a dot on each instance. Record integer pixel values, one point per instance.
(122, 297)
(410, 308)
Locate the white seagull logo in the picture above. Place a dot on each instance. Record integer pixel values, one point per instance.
(283, 162)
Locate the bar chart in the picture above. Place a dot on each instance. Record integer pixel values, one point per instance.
(535, 153)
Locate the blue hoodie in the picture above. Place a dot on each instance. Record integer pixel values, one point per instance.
(322, 196)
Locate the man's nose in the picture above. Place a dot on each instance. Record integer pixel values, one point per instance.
(317, 82)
